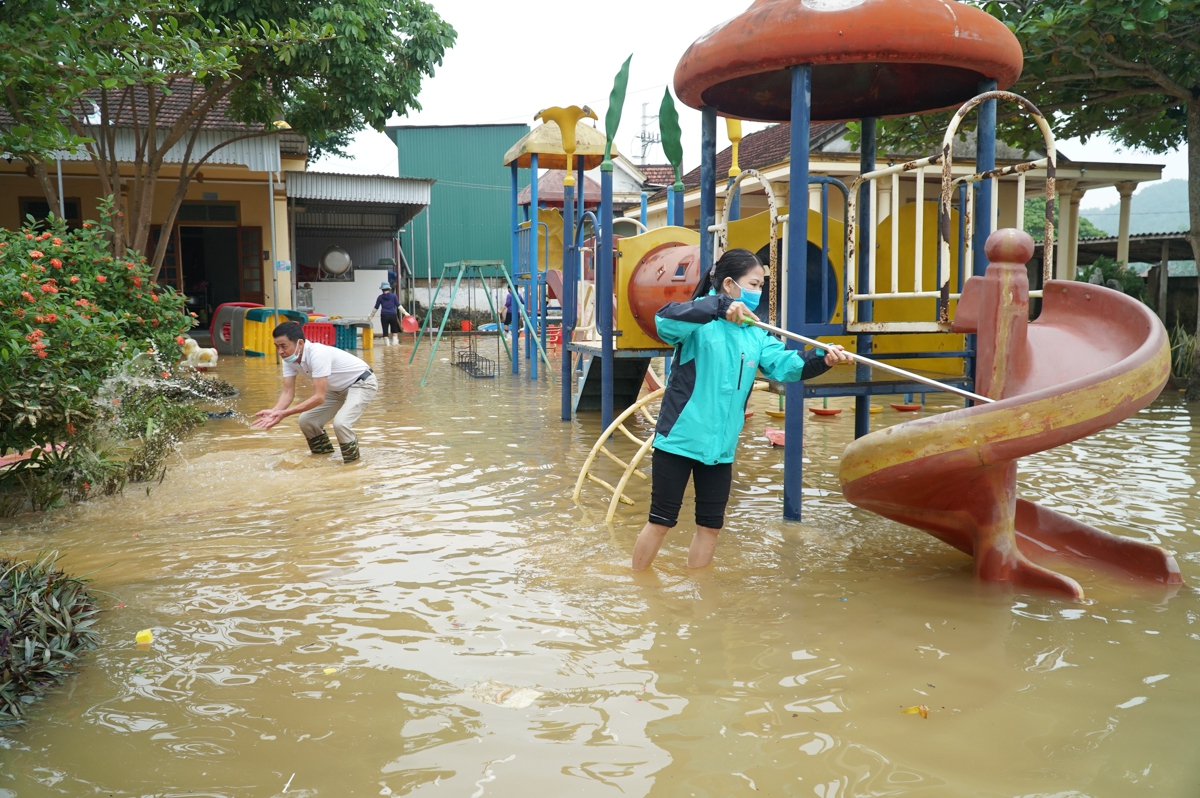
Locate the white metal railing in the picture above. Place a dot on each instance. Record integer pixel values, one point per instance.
(942, 290)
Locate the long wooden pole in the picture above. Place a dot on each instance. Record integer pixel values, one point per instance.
(875, 364)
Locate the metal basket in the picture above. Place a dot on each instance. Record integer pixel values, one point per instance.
(476, 364)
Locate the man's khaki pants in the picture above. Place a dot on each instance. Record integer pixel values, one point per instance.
(344, 407)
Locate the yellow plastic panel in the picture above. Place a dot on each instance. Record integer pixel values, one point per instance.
(552, 218)
(631, 251)
(915, 309)
(754, 233)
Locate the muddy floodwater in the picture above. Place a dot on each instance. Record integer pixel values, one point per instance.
(441, 620)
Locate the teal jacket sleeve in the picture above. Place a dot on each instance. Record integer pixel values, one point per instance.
(789, 365)
(675, 321)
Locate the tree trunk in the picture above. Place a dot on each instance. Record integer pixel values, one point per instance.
(1193, 134)
(49, 186)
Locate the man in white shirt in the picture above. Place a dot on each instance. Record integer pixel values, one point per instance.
(343, 386)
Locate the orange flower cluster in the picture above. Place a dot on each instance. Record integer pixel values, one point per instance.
(35, 342)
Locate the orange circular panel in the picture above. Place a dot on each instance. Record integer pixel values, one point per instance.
(870, 58)
(668, 273)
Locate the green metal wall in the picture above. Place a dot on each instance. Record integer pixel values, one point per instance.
(469, 213)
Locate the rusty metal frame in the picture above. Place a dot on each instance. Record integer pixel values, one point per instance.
(949, 185)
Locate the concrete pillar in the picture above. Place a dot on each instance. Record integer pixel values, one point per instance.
(1073, 249)
(1062, 259)
(1126, 190)
(1164, 277)
(884, 198)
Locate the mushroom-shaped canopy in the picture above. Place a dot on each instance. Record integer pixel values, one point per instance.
(868, 57)
(546, 141)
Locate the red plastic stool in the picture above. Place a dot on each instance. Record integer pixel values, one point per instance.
(320, 332)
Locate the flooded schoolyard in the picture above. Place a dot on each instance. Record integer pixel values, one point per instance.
(441, 619)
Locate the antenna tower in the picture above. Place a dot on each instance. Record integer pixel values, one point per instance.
(648, 137)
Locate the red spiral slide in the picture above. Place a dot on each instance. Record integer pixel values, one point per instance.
(1092, 358)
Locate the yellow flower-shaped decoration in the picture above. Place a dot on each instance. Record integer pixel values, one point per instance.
(567, 119)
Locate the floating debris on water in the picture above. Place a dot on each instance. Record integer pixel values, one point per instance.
(502, 695)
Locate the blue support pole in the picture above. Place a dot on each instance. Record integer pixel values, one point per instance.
(567, 299)
(645, 209)
(735, 202)
(793, 450)
(531, 283)
(985, 160)
(678, 209)
(670, 207)
(826, 311)
(866, 240)
(580, 193)
(604, 294)
(708, 185)
(514, 328)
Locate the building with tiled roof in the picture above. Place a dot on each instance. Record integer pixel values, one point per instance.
(659, 174)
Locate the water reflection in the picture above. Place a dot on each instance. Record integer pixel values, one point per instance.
(365, 630)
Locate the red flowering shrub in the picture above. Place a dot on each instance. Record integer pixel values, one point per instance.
(59, 341)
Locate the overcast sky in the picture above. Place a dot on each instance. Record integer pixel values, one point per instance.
(509, 63)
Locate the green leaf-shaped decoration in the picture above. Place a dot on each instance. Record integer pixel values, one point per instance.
(612, 119)
(672, 136)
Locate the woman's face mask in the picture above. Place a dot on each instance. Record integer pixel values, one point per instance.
(749, 297)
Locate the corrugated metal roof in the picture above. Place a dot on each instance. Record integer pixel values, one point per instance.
(259, 154)
(358, 188)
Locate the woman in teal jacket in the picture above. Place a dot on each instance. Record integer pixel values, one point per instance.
(703, 409)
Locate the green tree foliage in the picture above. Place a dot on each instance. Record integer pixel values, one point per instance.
(70, 68)
(1035, 221)
(1108, 272)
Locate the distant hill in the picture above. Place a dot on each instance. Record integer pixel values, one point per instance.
(1158, 208)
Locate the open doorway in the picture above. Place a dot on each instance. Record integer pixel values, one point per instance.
(209, 256)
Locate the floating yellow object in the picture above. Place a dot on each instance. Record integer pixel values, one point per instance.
(330, 670)
(876, 409)
(776, 413)
(921, 710)
(145, 637)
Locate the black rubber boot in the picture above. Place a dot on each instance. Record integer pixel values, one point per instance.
(320, 444)
(350, 451)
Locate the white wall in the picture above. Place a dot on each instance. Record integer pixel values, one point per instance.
(466, 298)
(350, 299)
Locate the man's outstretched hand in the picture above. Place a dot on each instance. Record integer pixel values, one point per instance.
(265, 419)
